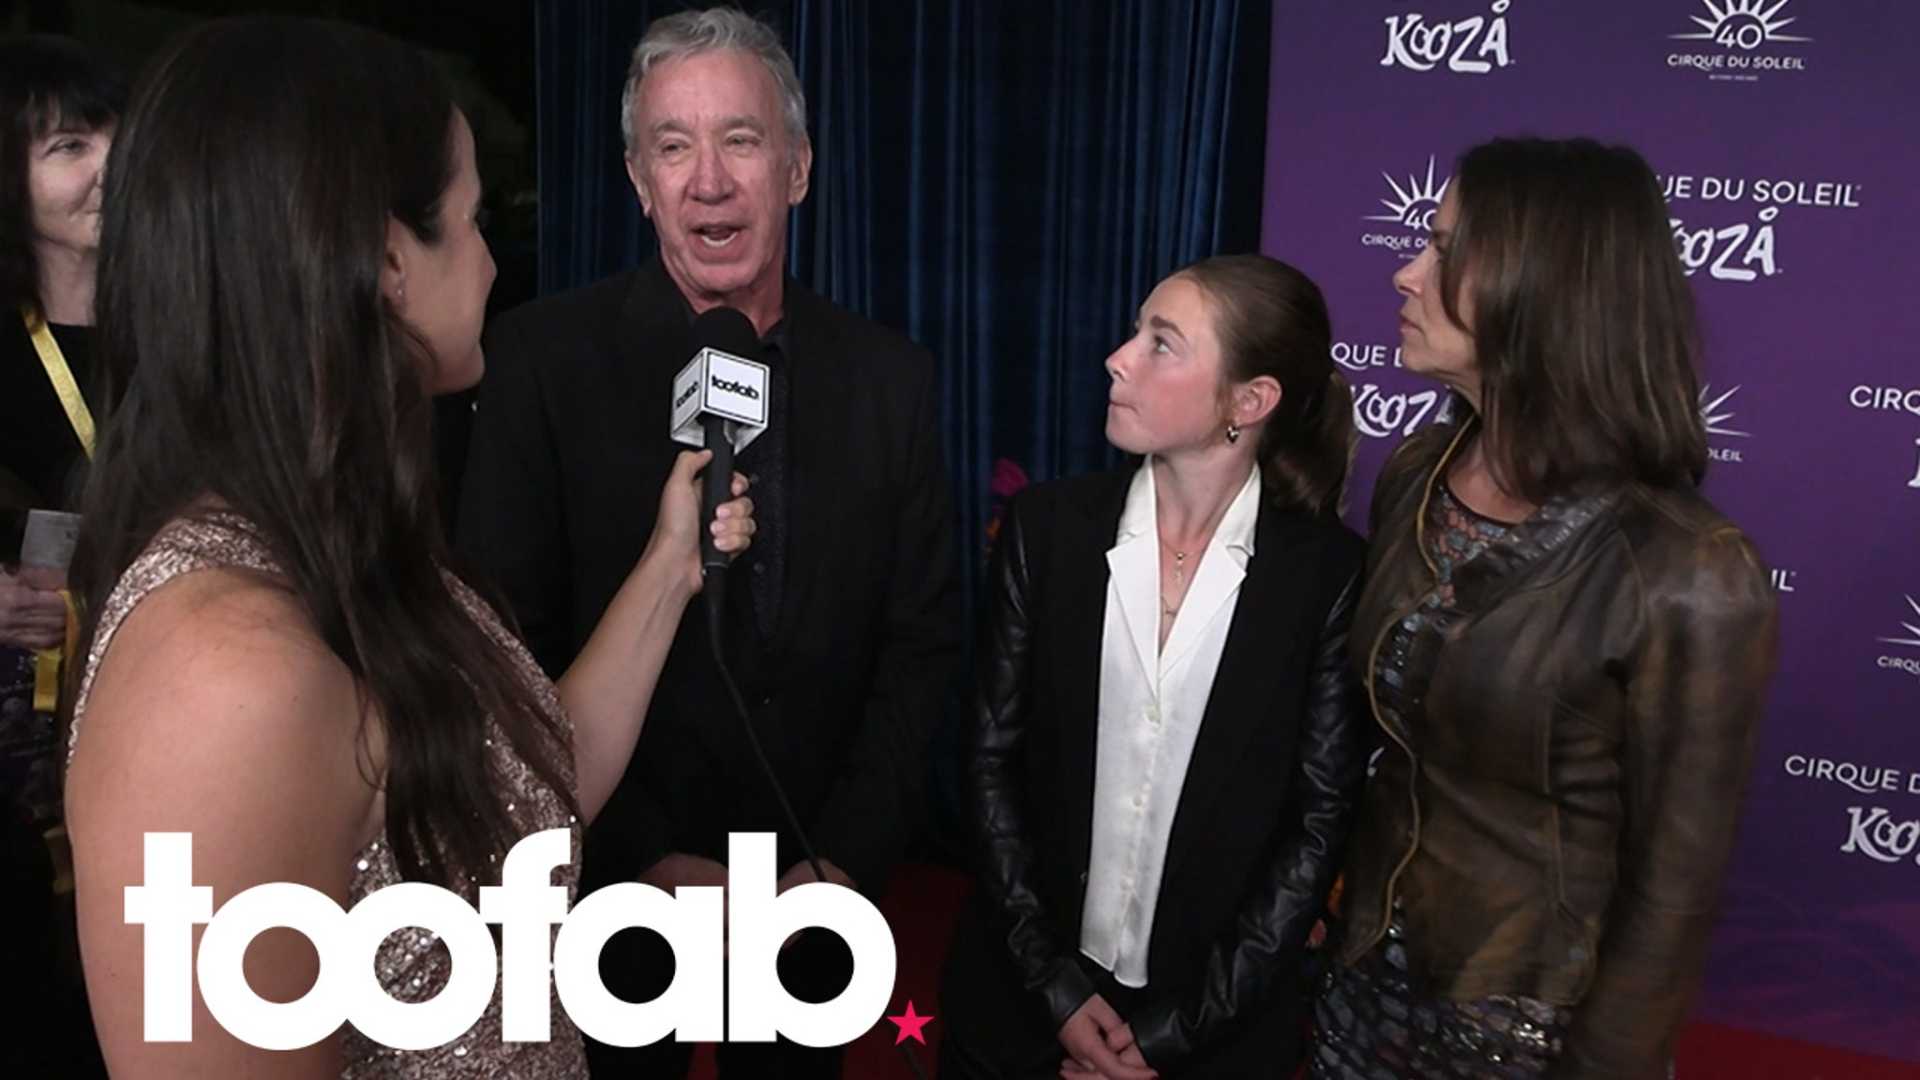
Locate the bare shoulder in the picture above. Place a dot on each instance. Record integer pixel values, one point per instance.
(217, 712)
(217, 697)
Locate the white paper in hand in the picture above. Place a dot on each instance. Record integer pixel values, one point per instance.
(49, 540)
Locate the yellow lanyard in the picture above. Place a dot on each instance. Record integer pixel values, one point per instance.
(62, 378)
(47, 662)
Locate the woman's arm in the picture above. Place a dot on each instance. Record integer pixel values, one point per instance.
(217, 712)
(1267, 942)
(610, 684)
(1694, 700)
(1090, 1031)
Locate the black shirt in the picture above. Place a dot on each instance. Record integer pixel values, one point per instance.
(37, 443)
(764, 464)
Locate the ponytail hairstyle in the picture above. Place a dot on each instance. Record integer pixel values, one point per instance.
(1271, 319)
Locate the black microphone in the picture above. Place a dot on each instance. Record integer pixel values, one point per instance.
(720, 402)
(716, 487)
(725, 389)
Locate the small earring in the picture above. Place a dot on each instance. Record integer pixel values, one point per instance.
(1233, 433)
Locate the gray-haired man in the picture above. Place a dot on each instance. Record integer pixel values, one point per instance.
(842, 624)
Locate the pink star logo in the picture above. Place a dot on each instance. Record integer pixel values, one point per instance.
(910, 1025)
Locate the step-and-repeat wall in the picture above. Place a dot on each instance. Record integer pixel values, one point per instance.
(1787, 136)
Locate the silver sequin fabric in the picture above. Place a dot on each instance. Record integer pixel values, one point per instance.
(412, 965)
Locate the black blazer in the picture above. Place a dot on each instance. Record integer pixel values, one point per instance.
(1263, 811)
(569, 453)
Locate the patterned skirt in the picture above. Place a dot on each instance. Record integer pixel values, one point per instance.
(1370, 1024)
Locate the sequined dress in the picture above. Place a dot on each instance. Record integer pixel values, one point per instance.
(411, 965)
(1370, 1021)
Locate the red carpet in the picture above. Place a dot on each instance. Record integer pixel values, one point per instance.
(924, 900)
(1712, 1052)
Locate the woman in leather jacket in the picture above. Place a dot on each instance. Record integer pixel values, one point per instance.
(1167, 740)
(1565, 645)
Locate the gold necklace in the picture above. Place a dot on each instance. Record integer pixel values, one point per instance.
(1179, 579)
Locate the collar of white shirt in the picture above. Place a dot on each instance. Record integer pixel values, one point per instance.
(1134, 561)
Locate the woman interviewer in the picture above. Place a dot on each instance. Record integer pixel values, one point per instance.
(1167, 740)
(279, 661)
(1565, 645)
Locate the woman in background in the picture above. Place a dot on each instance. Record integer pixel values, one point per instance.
(58, 106)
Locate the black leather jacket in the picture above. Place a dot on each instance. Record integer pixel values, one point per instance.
(1264, 808)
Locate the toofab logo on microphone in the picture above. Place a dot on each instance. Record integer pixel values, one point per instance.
(720, 385)
(749, 1005)
(745, 390)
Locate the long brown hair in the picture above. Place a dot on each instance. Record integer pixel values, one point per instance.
(1272, 320)
(1583, 322)
(249, 356)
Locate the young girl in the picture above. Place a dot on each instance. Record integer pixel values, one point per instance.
(1165, 745)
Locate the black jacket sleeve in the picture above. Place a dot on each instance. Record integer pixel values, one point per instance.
(513, 529)
(878, 802)
(512, 524)
(1267, 942)
(996, 785)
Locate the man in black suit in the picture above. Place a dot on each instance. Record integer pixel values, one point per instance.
(842, 621)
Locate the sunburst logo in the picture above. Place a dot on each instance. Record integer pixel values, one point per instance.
(1910, 642)
(1415, 204)
(1714, 411)
(1743, 24)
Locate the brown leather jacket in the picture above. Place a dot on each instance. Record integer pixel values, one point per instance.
(1558, 824)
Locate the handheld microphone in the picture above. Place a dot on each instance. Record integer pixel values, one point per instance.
(719, 403)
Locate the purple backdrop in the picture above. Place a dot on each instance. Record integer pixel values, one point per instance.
(1785, 133)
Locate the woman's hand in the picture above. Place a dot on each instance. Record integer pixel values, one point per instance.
(1073, 1070)
(1098, 1042)
(676, 531)
(31, 618)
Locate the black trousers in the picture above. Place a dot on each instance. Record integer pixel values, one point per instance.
(638, 966)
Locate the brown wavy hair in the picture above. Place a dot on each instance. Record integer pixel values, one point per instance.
(1583, 321)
